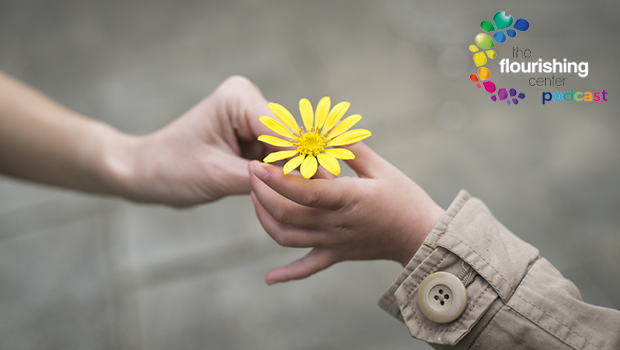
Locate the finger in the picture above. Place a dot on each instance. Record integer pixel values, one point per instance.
(282, 209)
(367, 163)
(316, 193)
(322, 173)
(286, 235)
(318, 259)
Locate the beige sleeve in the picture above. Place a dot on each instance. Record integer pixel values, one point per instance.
(515, 298)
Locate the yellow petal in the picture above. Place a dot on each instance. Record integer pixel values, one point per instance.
(276, 127)
(329, 163)
(345, 125)
(275, 156)
(284, 115)
(340, 153)
(349, 137)
(321, 111)
(308, 167)
(275, 141)
(293, 164)
(307, 115)
(334, 116)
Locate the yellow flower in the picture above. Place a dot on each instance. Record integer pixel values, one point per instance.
(311, 142)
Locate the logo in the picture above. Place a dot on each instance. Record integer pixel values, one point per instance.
(502, 29)
(523, 62)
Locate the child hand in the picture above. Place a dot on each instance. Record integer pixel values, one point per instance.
(382, 214)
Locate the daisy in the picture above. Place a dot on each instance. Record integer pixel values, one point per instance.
(311, 142)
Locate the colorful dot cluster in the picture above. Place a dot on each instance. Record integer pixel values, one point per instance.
(485, 42)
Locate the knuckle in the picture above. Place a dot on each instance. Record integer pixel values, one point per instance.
(357, 194)
(233, 87)
(344, 194)
(313, 198)
(281, 215)
(237, 81)
(285, 240)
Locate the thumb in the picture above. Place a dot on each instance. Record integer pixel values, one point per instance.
(367, 163)
(315, 261)
(230, 174)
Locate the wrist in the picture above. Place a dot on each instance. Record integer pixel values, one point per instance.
(422, 222)
(114, 160)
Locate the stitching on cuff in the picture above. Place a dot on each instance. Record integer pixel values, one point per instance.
(419, 280)
(488, 264)
(469, 310)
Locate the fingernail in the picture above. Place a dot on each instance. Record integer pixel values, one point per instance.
(271, 282)
(260, 172)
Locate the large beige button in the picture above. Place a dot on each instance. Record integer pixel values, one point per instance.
(442, 297)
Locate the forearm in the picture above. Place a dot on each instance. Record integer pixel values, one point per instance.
(45, 142)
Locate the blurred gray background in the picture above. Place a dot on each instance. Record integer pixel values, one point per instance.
(85, 272)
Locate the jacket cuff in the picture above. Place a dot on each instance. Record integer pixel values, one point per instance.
(471, 244)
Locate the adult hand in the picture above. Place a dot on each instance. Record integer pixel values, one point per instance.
(198, 158)
(382, 214)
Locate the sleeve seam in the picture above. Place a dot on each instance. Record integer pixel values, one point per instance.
(491, 322)
(512, 306)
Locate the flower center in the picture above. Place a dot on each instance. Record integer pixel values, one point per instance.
(310, 143)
